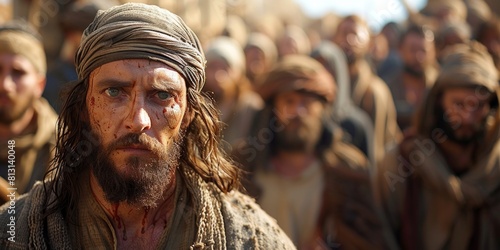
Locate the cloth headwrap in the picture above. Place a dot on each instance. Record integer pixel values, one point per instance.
(468, 66)
(18, 39)
(298, 73)
(265, 44)
(229, 50)
(140, 31)
(463, 66)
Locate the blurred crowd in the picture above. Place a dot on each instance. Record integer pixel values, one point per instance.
(349, 138)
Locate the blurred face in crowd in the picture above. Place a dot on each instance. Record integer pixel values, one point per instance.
(220, 78)
(463, 114)
(300, 113)
(353, 38)
(417, 53)
(255, 61)
(136, 108)
(20, 86)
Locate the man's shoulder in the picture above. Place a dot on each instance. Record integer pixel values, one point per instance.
(248, 226)
(15, 216)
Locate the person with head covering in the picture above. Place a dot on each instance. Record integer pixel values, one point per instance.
(232, 92)
(73, 20)
(293, 41)
(368, 91)
(26, 119)
(410, 83)
(138, 163)
(450, 34)
(440, 188)
(354, 121)
(445, 11)
(260, 55)
(300, 170)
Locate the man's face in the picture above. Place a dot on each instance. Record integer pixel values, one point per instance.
(354, 39)
(20, 86)
(300, 114)
(417, 53)
(136, 108)
(220, 78)
(255, 61)
(464, 113)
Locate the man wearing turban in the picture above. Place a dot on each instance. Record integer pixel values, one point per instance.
(138, 163)
(440, 188)
(301, 171)
(27, 122)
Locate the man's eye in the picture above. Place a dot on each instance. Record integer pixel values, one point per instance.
(112, 92)
(163, 95)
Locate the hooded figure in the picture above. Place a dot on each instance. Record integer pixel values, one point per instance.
(440, 188)
(351, 118)
(300, 170)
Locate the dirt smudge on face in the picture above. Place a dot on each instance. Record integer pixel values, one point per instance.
(173, 115)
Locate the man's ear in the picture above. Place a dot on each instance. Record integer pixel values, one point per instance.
(40, 86)
(188, 118)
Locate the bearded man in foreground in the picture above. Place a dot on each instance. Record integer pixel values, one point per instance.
(138, 163)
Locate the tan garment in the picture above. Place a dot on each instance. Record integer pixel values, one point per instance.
(34, 150)
(371, 94)
(294, 203)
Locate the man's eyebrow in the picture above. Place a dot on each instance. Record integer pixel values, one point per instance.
(112, 82)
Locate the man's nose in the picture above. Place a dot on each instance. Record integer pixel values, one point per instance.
(138, 118)
(6, 83)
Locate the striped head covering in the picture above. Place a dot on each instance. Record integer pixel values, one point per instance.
(140, 31)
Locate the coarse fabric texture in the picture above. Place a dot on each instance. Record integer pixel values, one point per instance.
(16, 41)
(139, 31)
(426, 205)
(298, 73)
(218, 221)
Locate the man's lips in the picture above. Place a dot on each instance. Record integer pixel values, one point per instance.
(135, 148)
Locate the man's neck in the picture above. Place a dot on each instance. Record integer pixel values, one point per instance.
(136, 225)
(459, 157)
(18, 127)
(292, 164)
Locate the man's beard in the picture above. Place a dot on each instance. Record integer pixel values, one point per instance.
(8, 115)
(146, 178)
(450, 128)
(298, 135)
(414, 71)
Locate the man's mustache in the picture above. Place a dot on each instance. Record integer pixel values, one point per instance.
(142, 141)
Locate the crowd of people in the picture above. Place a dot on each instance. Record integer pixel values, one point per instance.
(267, 134)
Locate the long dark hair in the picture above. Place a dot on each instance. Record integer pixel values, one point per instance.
(201, 150)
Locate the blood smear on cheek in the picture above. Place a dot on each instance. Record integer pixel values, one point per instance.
(172, 114)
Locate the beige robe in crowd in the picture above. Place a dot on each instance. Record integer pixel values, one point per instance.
(371, 94)
(33, 151)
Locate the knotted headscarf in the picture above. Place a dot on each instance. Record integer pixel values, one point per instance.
(140, 31)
